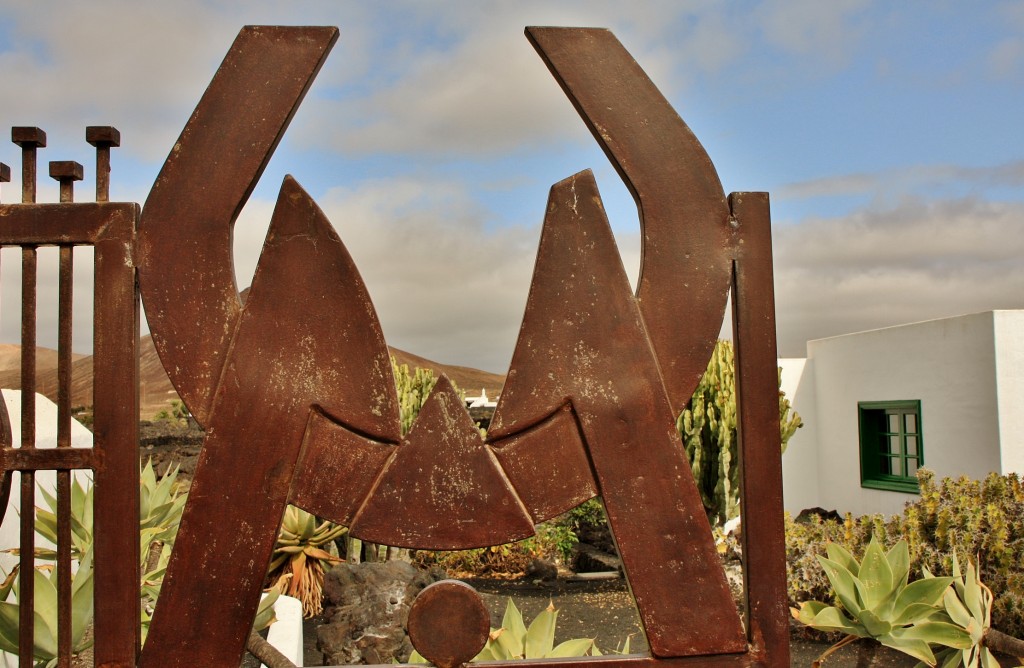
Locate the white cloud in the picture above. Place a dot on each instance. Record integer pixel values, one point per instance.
(445, 284)
(913, 262)
(886, 183)
(825, 31)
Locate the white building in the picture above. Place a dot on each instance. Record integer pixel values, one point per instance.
(946, 394)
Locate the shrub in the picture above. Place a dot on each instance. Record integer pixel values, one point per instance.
(553, 541)
(970, 518)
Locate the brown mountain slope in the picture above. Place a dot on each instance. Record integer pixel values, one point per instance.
(156, 391)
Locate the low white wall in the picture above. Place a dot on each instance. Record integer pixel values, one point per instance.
(1009, 353)
(800, 461)
(948, 364)
(46, 437)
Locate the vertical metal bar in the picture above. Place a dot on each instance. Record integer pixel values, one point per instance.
(28, 437)
(64, 619)
(760, 448)
(66, 173)
(29, 138)
(103, 137)
(115, 431)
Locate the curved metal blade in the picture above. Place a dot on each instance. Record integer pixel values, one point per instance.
(687, 240)
(189, 292)
(308, 339)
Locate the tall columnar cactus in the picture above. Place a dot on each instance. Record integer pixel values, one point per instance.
(708, 430)
(413, 389)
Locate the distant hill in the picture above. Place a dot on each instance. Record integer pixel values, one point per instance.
(156, 391)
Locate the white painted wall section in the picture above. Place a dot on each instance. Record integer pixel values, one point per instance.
(46, 437)
(1009, 354)
(800, 461)
(948, 364)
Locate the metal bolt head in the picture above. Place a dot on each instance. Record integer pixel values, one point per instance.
(102, 135)
(66, 170)
(28, 136)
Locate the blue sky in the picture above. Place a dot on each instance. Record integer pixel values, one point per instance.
(888, 134)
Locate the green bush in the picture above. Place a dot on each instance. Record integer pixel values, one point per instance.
(971, 518)
(553, 541)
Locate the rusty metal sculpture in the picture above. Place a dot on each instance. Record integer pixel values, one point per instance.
(296, 392)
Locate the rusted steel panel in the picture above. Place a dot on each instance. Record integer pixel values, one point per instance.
(300, 382)
(46, 459)
(203, 185)
(57, 224)
(760, 447)
(547, 464)
(116, 435)
(331, 453)
(442, 490)
(291, 352)
(684, 271)
(583, 338)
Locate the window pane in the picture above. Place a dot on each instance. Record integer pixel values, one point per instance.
(912, 468)
(884, 466)
(894, 422)
(911, 423)
(894, 445)
(912, 445)
(895, 467)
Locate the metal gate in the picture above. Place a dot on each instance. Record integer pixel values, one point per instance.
(114, 458)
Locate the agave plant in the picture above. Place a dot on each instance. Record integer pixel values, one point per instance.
(968, 604)
(514, 640)
(44, 647)
(299, 556)
(878, 602)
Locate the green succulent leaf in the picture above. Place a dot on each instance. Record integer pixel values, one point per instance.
(875, 578)
(843, 583)
(842, 556)
(939, 633)
(899, 561)
(486, 654)
(956, 610)
(570, 648)
(829, 618)
(913, 614)
(874, 625)
(540, 637)
(972, 593)
(918, 649)
(515, 629)
(928, 591)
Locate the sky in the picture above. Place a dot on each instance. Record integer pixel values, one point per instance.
(889, 136)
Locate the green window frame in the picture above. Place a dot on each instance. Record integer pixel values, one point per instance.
(891, 445)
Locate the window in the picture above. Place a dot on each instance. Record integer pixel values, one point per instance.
(890, 445)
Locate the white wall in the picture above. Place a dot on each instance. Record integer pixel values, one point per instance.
(46, 437)
(948, 364)
(800, 461)
(1009, 353)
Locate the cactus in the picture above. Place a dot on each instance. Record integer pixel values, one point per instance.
(708, 430)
